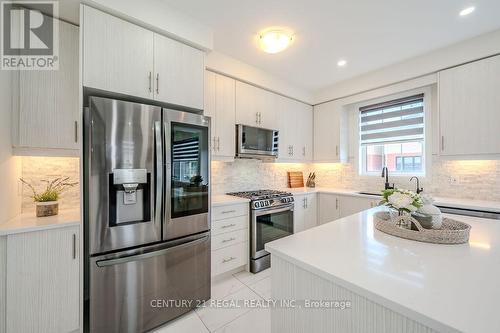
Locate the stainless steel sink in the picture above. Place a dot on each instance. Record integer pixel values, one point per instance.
(370, 193)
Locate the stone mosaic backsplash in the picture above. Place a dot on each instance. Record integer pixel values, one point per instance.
(36, 169)
(478, 180)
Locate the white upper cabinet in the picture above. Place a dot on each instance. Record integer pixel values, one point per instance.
(330, 133)
(117, 55)
(121, 57)
(256, 107)
(179, 73)
(46, 111)
(295, 124)
(469, 108)
(220, 106)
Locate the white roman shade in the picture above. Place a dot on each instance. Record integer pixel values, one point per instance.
(399, 120)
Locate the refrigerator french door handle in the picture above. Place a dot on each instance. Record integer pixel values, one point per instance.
(137, 257)
(159, 172)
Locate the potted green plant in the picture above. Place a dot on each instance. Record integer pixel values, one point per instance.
(47, 203)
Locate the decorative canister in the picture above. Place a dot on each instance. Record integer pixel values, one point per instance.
(47, 208)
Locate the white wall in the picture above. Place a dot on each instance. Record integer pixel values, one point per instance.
(229, 66)
(466, 51)
(10, 166)
(156, 15)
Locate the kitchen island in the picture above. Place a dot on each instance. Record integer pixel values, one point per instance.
(373, 282)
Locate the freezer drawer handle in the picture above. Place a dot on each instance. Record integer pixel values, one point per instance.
(123, 260)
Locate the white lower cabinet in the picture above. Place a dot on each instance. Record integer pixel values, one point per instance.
(230, 225)
(350, 205)
(41, 281)
(328, 207)
(305, 212)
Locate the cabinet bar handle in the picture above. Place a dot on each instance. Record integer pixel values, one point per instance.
(149, 79)
(256, 118)
(228, 226)
(228, 240)
(337, 150)
(307, 203)
(260, 118)
(442, 142)
(228, 259)
(74, 246)
(336, 203)
(76, 131)
(228, 211)
(157, 83)
(218, 143)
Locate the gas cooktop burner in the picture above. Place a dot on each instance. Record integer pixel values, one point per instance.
(261, 194)
(265, 198)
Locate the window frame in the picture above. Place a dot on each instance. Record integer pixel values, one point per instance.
(426, 143)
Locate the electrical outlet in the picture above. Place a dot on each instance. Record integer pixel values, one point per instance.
(453, 180)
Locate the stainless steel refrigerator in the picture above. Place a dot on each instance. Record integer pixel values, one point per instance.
(147, 214)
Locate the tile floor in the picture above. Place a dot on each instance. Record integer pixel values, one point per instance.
(229, 319)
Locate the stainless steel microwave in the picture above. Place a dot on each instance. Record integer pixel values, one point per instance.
(256, 142)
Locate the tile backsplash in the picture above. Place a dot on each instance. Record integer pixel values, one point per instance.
(37, 169)
(474, 179)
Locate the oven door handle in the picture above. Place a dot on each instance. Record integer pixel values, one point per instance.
(273, 210)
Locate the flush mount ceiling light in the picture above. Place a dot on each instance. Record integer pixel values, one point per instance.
(467, 11)
(274, 41)
(341, 63)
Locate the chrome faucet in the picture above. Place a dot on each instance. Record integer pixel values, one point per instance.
(419, 189)
(385, 173)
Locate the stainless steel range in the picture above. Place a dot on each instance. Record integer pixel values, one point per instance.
(271, 217)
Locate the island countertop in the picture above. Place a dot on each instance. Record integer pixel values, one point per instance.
(449, 288)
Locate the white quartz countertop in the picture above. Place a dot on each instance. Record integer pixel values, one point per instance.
(490, 206)
(222, 200)
(29, 222)
(450, 288)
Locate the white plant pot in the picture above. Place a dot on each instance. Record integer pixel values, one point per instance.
(48, 208)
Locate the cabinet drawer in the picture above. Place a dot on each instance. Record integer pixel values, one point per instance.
(227, 225)
(229, 238)
(225, 212)
(229, 258)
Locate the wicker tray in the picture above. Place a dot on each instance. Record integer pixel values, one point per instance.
(451, 232)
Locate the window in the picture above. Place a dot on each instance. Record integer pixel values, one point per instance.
(392, 135)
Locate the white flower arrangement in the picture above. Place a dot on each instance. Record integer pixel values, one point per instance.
(402, 200)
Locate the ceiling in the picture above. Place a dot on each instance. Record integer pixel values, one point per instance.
(368, 34)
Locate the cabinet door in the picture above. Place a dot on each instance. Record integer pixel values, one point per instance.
(179, 71)
(351, 205)
(48, 100)
(286, 127)
(303, 132)
(255, 107)
(117, 55)
(299, 209)
(311, 216)
(248, 104)
(225, 116)
(43, 281)
(327, 132)
(469, 113)
(268, 109)
(329, 208)
(209, 109)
